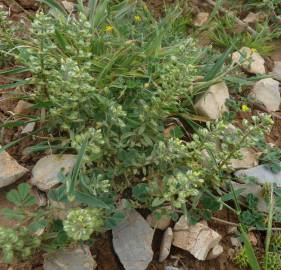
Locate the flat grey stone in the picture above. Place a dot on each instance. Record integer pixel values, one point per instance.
(166, 244)
(132, 239)
(45, 172)
(262, 175)
(70, 259)
(10, 170)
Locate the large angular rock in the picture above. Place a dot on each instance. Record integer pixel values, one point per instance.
(266, 91)
(45, 172)
(132, 239)
(166, 244)
(248, 160)
(262, 175)
(212, 102)
(197, 239)
(276, 72)
(70, 259)
(250, 60)
(10, 170)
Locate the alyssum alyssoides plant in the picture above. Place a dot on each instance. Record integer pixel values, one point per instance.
(108, 76)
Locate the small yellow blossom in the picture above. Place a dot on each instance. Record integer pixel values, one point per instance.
(245, 108)
(146, 85)
(253, 50)
(137, 18)
(109, 28)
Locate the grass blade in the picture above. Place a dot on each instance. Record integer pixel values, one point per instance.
(13, 85)
(53, 4)
(213, 72)
(269, 227)
(16, 70)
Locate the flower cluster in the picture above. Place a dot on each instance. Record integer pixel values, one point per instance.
(17, 243)
(81, 223)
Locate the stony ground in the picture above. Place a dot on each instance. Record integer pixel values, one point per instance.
(137, 226)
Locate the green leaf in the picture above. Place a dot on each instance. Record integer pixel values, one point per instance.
(23, 190)
(114, 220)
(210, 203)
(13, 85)
(91, 201)
(37, 225)
(216, 68)
(58, 194)
(55, 6)
(14, 71)
(14, 197)
(157, 202)
(253, 262)
(13, 214)
(30, 200)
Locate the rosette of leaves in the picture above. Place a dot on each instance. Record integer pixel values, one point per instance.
(26, 238)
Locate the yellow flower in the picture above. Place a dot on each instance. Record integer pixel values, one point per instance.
(245, 108)
(146, 85)
(109, 28)
(253, 50)
(137, 18)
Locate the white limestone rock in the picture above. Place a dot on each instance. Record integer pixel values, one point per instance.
(212, 102)
(132, 239)
(249, 160)
(28, 128)
(215, 252)
(252, 18)
(197, 239)
(266, 91)
(250, 60)
(201, 18)
(23, 107)
(10, 170)
(235, 242)
(45, 172)
(69, 6)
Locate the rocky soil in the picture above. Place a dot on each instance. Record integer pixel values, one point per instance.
(140, 242)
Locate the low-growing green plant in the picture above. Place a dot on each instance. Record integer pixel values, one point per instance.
(240, 258)
(106, 79)
(224, 36)
(23, 240)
